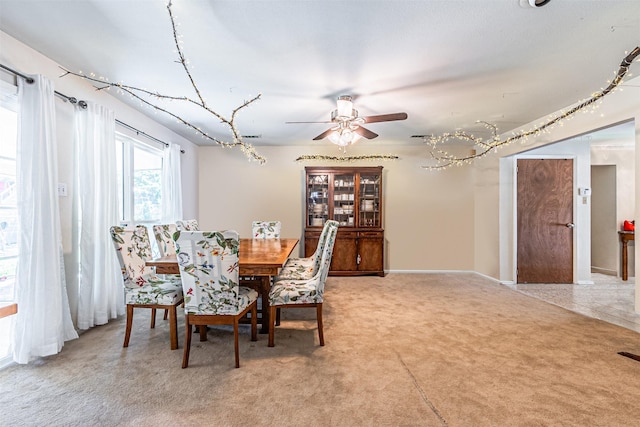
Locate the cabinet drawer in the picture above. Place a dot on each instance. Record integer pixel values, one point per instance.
(346, 234)
(374, 234)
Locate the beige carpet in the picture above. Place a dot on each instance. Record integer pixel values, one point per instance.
(403, 350)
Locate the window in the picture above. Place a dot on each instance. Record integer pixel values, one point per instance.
(8, 209)
(139, 184)
(139, 181)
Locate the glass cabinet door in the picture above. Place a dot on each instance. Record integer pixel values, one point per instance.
(344, 188)
(317, 199)
(369, 203)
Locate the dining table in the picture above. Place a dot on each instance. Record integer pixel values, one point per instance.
(260, 259)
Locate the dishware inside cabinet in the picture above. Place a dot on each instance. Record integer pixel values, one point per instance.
(344, 187)
(317, 199)
(369, 200)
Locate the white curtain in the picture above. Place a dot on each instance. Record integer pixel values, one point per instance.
(171, 185)
(100, 292)
(43, 322)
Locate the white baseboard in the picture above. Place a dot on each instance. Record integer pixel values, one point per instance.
(428, 271)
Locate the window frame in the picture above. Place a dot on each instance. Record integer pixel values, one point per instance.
(128, 146)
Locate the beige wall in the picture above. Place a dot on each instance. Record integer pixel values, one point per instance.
(428, 216)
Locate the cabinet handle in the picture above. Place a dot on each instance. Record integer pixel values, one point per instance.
(358, 259)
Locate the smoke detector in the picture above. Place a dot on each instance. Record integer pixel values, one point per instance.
(533, 3)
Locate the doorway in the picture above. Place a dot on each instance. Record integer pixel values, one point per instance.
(604, 227)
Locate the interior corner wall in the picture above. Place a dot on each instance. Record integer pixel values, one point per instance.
(26, 60)
(427, 215)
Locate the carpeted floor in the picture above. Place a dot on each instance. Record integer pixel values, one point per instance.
(403, 350)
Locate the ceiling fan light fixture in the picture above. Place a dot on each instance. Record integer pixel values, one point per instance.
(345, 107)
(343, 137)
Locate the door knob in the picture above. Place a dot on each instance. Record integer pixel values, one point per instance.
(570, 225)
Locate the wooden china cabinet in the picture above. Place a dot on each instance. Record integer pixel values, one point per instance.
(353, 197)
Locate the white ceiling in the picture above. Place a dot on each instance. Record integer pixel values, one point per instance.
(446, 63)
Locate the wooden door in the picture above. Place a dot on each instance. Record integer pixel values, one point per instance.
(545, 221)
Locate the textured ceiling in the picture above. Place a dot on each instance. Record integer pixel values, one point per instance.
(447, 64)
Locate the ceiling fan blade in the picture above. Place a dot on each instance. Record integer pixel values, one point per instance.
(365, 132)
(323, 134)
(289, 123)
(385, 117)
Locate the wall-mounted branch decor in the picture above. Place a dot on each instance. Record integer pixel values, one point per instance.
(349, 159)
(144, 97)
(482, 148)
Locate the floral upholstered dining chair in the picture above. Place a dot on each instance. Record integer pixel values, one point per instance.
(306, 268)
(143, 289)
(187, 225)
(309, 292)
(266, 229)
(164, 237)
(209, 270)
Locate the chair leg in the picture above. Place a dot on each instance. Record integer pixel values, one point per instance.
(187, 342)
(235, 341)
(272, 320)
(173, 327)
(127, 331)
(254, 322)
(153, 318)
(278, 317)
(166, 312)
(319, 315)
(203, 332)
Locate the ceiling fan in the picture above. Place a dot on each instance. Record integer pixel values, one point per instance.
(348, 125)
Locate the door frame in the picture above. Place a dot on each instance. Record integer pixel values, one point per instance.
(576, 217)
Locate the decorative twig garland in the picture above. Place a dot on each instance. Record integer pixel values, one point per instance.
(446, 160)
(139, 94)
(346, 158)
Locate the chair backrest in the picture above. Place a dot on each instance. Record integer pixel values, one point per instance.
(317, 255)
(209, 270)
(133, 249)
(188, 225)
(327, 252)
(266, 229)
(164, 236)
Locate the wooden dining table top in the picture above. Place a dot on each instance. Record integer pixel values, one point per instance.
(258, 257)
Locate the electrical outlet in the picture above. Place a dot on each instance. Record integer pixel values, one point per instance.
(62, 189)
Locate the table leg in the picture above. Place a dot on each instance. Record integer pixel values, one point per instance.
(625, 261)
(265, 286)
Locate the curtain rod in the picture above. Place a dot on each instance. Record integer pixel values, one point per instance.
(139, 132)
(83, 105)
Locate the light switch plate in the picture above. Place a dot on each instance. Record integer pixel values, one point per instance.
(62, 189)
